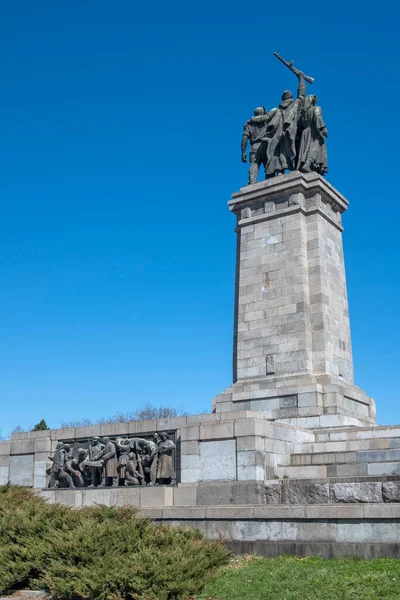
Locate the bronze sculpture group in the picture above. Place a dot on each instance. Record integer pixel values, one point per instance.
(119, 462)
(290, 137)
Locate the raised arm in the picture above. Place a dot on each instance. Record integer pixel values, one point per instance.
(301, 90)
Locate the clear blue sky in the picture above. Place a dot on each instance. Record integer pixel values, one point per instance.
(119, 148)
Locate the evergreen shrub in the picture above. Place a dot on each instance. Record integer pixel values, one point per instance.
(99, 553)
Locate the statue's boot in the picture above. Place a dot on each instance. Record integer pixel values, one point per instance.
(306, 168)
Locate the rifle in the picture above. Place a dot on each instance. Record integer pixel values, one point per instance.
(139, 466)
(290, 66)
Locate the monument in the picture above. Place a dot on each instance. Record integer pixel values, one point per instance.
(292, 357)
(290, 460)
(289, 137)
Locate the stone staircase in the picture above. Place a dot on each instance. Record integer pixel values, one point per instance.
(342, 465)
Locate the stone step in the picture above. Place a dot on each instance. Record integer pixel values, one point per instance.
(332, 491)
(339, 458)
(322, 458)
(357, 469)
(339, 434)
(385, 443)
(331, 511)
(348, 479)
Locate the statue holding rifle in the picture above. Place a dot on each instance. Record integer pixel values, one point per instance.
(290, 137)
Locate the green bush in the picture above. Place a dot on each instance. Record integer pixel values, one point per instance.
(99, 553)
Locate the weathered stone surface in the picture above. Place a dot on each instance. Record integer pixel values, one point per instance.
(43, 445)
(291, 307)
(216, 431)
(5, 448)
(185, 495)
(248, 492)
(335, 511)
(4, 460)
(273, 493)
(218, 460)
(21, 470)
(190, 475)
(215, 493)
(25, 446)
(190, 432)
(136, 427)
(4, 475)
(386, 468)
(306, 493)
(357, 492)
(379, 455)
(391, 491)
(382, 511)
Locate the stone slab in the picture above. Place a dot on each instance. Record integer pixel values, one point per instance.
(156, 496)
(386, 468)
(357, 492)
(185, 496)
(218, 460)
(25, 446)
(4, 460)
(325, 549)
(21, 470)
(215, 493)
(305, 493)
(4, 475)
(5, 448)
(273, 493)
(216, 431)
(379, 455)
(248, 492)
(391, 491)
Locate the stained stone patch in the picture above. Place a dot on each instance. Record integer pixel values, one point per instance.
(288, 401)
(391, 491)
(357, 492)
(273, 493)
(306, 493)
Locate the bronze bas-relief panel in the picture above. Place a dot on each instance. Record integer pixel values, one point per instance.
(112, 461)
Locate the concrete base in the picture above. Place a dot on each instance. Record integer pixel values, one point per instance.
(360, 529)
(363, 530)
(261, 485)
(301, 401)
(292, 358)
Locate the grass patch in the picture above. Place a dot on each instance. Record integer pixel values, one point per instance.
(311, 578)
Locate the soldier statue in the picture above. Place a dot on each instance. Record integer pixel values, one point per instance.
(165, 468)
(57, 462)
(95, 469)
(71, 475)
(133, 472)
(312, 154)
(110, 463)
(290, 110)
(254, 130)
(293, 136)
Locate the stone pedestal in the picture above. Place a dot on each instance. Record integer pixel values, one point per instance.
(292, 358)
